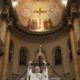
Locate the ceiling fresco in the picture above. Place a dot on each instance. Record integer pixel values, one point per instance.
(39, 15)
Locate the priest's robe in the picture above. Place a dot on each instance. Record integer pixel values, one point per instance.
(37, 76)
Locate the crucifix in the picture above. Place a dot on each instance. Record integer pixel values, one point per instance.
(40, 11)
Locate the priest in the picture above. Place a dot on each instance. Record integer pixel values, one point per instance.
(37, 75)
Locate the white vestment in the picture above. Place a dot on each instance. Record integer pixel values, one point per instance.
(37, 76)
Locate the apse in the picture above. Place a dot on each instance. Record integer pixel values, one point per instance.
(39, 15)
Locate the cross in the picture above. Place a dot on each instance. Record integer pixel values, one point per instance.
(40, 12)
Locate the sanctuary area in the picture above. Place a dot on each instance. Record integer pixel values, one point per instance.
(39, 39)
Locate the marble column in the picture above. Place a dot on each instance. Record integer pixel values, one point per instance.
(65, 58)
(74, 53)
(3, 30)
(15, 62)
(77, 28)
(6, 56)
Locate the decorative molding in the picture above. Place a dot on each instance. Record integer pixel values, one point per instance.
(32, 37)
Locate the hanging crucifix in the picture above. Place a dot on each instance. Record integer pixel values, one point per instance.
(40, 11)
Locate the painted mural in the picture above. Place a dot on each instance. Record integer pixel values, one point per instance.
(39, 15)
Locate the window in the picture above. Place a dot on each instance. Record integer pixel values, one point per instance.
(58, 57)
(11, 51)
(23, 56)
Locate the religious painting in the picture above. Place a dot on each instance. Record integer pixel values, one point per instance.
(40, 17)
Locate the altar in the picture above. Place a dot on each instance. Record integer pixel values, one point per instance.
(38, 68)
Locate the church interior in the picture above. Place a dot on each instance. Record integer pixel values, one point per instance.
(42, 33)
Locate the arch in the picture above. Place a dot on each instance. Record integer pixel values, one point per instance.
(24, 55)
(57, 55)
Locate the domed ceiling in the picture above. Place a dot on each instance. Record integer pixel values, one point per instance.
(39, 15)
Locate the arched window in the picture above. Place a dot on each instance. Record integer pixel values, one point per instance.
(58, 56)
(11, 51)
(23, 56)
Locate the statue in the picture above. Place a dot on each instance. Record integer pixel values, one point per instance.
(45, 24)
(49, 23)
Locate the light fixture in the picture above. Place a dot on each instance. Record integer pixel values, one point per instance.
(64, 2)
(14, 3)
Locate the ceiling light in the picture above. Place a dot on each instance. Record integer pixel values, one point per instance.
(64, 2)
(14, 3)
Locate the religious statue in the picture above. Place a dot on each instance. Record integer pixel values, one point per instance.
(45, 24)
(35, 24)
(49, 23)
(40, 11)
(29, 23)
